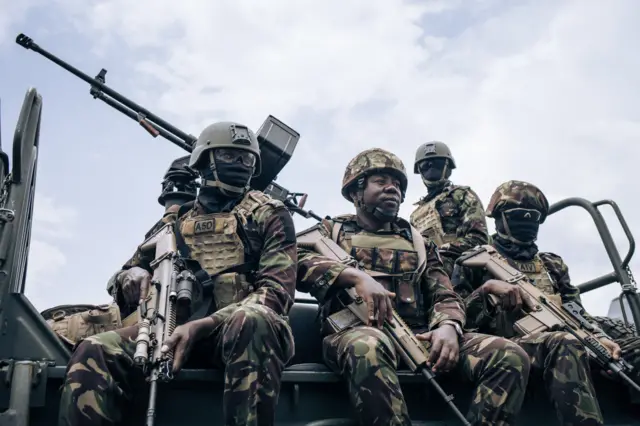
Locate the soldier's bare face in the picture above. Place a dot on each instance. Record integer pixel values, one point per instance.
(383, 190)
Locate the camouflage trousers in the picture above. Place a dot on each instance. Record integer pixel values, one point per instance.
(366, 358)
(252, 345)
(564, 364)
(629, 343)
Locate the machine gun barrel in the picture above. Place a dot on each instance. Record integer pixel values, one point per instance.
(99, 90)
(277, 140)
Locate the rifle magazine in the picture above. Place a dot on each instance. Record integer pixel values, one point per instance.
(342, 320)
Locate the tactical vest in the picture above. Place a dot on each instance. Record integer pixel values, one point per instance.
(426, 219)
(401, 259)
(538, 274)
(215, 243)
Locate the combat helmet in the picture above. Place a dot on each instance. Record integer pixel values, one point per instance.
(518, 194)
(226, 134)
(433, 149)
(375, 160)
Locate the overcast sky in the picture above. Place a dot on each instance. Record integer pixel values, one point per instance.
(542, 90)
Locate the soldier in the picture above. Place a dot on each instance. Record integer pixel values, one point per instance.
(450, 215)
(247, 335)
(375, 181)
(519, 208)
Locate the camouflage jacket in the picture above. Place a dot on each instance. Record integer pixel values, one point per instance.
(461, 215)
(482, 317)
(317, 274)
(271, 235)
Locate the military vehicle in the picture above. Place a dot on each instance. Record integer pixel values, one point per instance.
(33, 359)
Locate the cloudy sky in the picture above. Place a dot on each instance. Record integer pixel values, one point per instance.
(540, 90)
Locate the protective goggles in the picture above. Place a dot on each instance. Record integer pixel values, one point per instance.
(229, 155)
(522, 215)
(436, 163)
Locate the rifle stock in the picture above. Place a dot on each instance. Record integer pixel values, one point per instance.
(171, 290)
(545, 312)
(356, 312)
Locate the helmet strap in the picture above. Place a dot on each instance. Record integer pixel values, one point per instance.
(226, 189)
(374, 211)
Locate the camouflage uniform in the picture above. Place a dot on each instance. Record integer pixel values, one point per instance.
(450, 215)
(252, 340)
(365, 357)
(560, 358)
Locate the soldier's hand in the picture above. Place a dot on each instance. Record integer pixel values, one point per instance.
(613, 347)
(509, 296)
(134, 284)
(183, 338)
(372, 292)
(445, 350)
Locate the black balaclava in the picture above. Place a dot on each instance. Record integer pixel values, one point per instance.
(437, 175)
(234, 177)
(517, 231)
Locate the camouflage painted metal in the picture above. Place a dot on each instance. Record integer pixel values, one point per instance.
(518, 194)
(375, 160)
(431, 150)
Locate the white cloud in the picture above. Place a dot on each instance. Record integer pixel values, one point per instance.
(45, 262)
(52, 226)
(536, 90)
(12, 12)
(51, 220)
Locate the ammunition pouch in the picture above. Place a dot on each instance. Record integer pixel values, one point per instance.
(230, 288)
(72, 323)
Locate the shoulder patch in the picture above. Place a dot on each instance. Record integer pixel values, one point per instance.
(552, 262)
(344, 218)
(454, 188)
(547, 255)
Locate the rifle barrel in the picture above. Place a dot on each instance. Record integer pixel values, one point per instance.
(448, 398)
(629, 380)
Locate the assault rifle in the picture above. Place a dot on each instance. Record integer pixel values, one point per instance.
(170, 295)
(414, 354)
(546, 313)
(277, 140)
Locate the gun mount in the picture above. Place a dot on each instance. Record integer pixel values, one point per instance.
(277, 140)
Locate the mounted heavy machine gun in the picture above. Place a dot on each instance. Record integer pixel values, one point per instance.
(277, 141)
